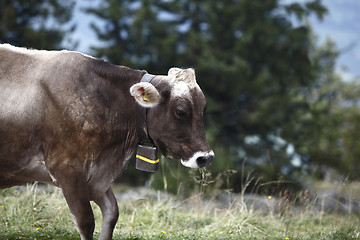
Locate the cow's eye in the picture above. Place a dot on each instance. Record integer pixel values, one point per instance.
(180, 113)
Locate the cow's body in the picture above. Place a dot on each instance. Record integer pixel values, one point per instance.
(68, 119)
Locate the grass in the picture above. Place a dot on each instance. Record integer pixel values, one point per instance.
(34, 213)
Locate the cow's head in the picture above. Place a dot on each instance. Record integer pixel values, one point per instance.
(176, 107)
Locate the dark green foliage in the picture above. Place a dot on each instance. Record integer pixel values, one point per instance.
(37, 24)
(133, 35)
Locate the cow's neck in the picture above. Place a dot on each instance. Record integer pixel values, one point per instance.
(121, 116)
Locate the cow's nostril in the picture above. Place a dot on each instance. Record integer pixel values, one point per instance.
(201, 161)
(204, 161)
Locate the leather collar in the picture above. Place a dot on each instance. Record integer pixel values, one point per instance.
(141, 114)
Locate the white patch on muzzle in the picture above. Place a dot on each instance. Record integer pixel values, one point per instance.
(192, 162)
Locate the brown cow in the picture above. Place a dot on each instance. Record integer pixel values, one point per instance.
(68, 119)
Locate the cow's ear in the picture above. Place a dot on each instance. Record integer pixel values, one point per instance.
(145, 94)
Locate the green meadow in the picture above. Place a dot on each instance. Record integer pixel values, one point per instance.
(40, 212)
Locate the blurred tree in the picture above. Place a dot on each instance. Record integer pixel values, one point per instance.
(135, 35)
(268, 85)
(348, 113)
(114, 31)
(35, 23)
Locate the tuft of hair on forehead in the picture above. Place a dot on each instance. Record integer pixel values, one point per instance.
(183, 75)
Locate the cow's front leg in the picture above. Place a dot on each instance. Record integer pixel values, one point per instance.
(110, 214)
(77, 197)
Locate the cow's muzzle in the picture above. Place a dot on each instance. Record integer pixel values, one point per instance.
(199, 160)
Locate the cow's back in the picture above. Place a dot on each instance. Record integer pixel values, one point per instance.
(18, 85)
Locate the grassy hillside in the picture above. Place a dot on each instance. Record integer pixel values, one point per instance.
(31, 213)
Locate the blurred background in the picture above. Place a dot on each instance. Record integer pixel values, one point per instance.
(281, 78)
